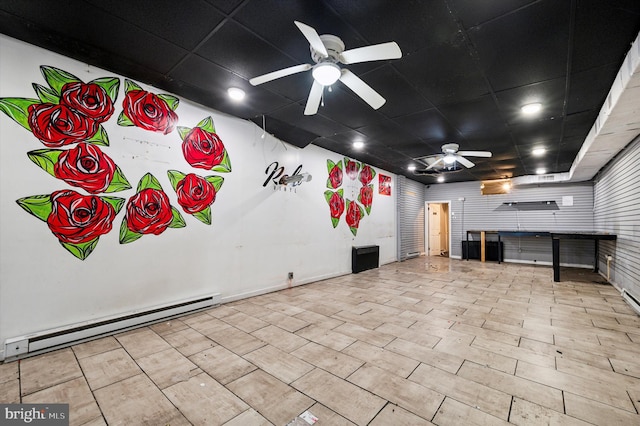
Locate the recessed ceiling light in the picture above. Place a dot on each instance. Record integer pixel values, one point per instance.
(235, 93)
(358, 145)
(541, 171)
(538, 152)
(531, 108)
(411, 168)
(440, 179)
(506, 186)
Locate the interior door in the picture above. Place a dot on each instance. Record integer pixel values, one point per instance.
(435, 212)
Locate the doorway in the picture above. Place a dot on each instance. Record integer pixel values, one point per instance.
(438, 226)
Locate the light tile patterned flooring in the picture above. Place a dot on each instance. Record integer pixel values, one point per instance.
(426, 341)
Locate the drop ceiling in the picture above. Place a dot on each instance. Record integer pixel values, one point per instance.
(467, 68)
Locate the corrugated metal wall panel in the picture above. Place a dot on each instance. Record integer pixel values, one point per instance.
(410, 217)
(617, 210)
(487, 212)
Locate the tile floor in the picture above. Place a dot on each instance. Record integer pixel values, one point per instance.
(426, 341)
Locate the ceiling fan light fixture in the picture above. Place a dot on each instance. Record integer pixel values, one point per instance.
(411, 167)
(235, 93)
(449, 159)
(530, 109)
(326, 73)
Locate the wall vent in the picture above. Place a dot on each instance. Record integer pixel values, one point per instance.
(48, 340)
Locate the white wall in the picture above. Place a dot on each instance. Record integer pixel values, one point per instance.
(258, 234)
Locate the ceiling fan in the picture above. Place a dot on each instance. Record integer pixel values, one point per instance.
(450, 158)
(327, 51)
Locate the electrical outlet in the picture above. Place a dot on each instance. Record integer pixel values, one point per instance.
(290, 275)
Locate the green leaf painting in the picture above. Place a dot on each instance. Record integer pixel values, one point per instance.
(18, 109)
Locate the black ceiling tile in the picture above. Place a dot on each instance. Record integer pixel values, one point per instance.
(473, 12)
(429, 125)
(185, 26)
(444, 74)
(316, 124)
(550, 93)
(473, 115)
(273, 20)
(215, 81)
(82, 24)
(578, 125)
(235, 48)
(401, 98)
(527, 46)
(588, 89)
(602, 31)
(537, 131)
(343, 106)
(226, 6)
(381, 21)
(386, 133)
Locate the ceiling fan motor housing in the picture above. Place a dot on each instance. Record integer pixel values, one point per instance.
(450, 148)
(334, 46)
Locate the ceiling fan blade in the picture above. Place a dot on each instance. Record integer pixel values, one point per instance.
(486, 154)
(315, 96)
(362, 89)
(312, 37)
(278, 74)
(464, 161)
(432, 165)
(377, 52)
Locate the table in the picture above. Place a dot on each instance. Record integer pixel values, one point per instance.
(555, 243)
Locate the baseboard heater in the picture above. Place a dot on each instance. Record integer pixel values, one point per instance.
(31, 344)
(631, 300)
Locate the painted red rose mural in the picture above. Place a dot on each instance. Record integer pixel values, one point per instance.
(203, 148)
(195, 193)
(147, 110)
(76, 220)
(149, 212)
(84, 166)
(362, 197)
(67, 117)
(68, 111)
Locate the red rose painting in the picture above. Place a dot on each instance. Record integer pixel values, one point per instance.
(366, 197)
(203, 148)
(196, 194)
(336, 205)
(90, 100)
(355, 209)
(87, 167)
(384, 185)
(148, 212)
(335, 174)
(68, 111)
(84, 166)
(76, 220)
(58, 125)
(352, 168)
(353, 216)
(367, 174)
(147, 110)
